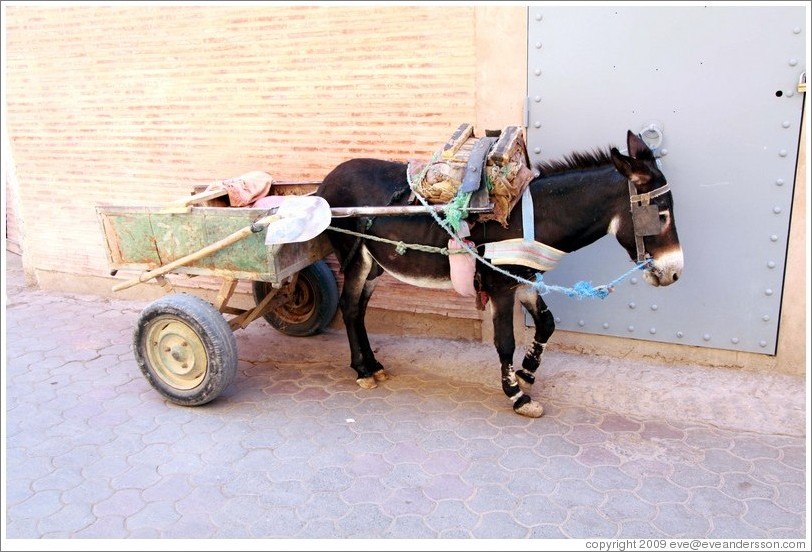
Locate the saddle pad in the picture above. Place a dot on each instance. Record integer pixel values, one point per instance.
(459, 168)
(531, 254)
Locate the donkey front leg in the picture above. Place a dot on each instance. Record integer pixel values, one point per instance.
(502, 308)
(359, 283)
(545, 326)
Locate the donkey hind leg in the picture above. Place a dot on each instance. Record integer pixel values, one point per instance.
(545, 326)
(502, 306)
(378, 373)
(359, 283)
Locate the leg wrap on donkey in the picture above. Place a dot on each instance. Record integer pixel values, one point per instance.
(545, 326)
(522, 404)
(531, 362)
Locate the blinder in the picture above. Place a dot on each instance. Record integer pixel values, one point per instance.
(645, 216)
(646, 220)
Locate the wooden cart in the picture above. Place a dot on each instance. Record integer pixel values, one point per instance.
(184, 345)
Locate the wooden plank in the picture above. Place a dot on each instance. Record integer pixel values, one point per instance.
(196, 198)
(225, 293)
(242, 233)
(129, 236)
(460, 136)
(245, 318)
(510, 140)
(247, 255)
(143, 238)
(398, 210)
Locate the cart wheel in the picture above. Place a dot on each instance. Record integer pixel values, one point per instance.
(312, 307)
(185, 349)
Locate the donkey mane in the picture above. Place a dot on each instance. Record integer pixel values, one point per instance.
(575, 161)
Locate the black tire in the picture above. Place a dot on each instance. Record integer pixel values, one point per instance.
(185, 349)
(313, 305)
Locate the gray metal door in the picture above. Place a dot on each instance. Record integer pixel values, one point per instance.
(717, 87)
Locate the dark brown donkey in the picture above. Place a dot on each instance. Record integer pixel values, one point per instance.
(576, 201)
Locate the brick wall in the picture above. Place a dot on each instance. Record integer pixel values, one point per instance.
(12, 228)
(132, 105)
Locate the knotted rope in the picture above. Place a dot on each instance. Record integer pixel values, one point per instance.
(400, 246)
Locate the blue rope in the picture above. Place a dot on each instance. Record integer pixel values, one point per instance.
(580, 290)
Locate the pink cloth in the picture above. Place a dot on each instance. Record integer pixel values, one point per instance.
(463, 267)
(268, 202)
(245, 189)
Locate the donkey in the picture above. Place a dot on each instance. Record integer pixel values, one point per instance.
(576, 201)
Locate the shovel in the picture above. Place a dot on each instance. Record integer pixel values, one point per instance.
(297, 218)
(301, 218)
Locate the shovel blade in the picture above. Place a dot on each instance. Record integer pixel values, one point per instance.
(301, 218)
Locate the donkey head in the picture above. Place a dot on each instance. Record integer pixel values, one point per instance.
(647, 230)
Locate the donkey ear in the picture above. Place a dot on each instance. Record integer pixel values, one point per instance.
(631, 168)
(622, 163)
(637, 147)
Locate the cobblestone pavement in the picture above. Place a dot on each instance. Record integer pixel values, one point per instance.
(294, 449)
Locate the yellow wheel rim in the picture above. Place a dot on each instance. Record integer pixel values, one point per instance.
(176, 353)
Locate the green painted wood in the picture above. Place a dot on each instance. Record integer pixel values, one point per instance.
(141, 238)
(250, 254)
(130, 236)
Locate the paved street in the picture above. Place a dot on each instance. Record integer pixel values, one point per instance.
(295, 449)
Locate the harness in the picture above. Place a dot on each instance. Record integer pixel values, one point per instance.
(526, 251)
(645, 217)
(469, 174)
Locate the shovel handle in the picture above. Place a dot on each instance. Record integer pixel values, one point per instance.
(240, 234)
(199, 198)
(184, 204)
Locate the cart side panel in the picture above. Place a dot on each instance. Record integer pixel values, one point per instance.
(247, 255)
(129, 237)
(177, 235)
(142, 238)
(290, 258)
(270, 263)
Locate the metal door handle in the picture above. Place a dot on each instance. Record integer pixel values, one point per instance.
(652, 134)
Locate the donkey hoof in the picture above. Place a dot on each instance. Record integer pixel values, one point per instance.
(532, 409)
(380, 375)
(367, 383)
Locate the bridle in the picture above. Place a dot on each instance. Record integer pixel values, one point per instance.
(645, 217)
